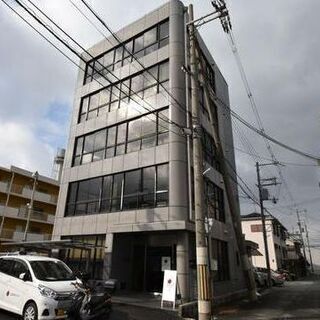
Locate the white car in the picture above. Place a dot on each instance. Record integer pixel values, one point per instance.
(35, 287)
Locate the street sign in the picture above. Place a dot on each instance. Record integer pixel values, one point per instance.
(169, 287)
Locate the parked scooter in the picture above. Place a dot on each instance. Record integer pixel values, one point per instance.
(89, 303)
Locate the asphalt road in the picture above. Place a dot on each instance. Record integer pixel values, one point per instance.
(120, 312)
(299, 300)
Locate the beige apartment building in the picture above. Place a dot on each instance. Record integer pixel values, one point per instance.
(276, 238)
(17, 189)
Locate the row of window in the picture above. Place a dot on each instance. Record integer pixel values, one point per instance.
(214, 201)
(141, 45)
(209, 152)
(141, 188)
(144, 132)
(130, 90)
(219, 251)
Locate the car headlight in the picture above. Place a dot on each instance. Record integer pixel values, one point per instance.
(47, 292)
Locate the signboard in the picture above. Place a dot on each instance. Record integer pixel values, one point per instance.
(169, 287)
(165, 263)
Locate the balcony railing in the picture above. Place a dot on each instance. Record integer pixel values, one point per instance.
(11, 234)
(27, 192)
(23, 213)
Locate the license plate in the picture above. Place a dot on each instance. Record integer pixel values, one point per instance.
(60, 312)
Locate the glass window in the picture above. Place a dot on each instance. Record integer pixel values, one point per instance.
(151, 76)
(79, 145)
(137, 83)
(111, 136)
(83, 190)
(148, 190)
(100, 140)
(149, 124)
(131, 189)
(85, 104)
(104, 97)
(108, 58)
(94, 188)
(106, 193)
(128, 49)
(115, 95)
(94, 101)
(86, 158)
(72, 192)
(98, 66)
(88, 143)
(134, 129)
(151, 48)
(164, 71)
(164, 30)
(117, 192)
(162, 185)
(150, 37)
(138, 44)
(119, 53)
(163, 118)
(121, 134)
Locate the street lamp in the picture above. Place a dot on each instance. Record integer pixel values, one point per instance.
(35, 177)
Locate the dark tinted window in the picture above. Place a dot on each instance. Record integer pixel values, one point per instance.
(51, 271)
(6, 265)
(18, 268)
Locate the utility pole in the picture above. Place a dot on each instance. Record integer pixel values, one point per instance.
(308, 243)
(263, 195)
(204, 298)
(234, 209)
(35, 177)
(301, 238)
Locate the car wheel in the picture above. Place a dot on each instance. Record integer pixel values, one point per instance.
(30, 312)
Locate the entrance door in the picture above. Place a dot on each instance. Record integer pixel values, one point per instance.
(139, 252)
(154, 274)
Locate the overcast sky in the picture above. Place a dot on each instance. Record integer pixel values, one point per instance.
(279, 45)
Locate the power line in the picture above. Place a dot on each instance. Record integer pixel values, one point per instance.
(95, 14)
(84, 50)
(74, 51)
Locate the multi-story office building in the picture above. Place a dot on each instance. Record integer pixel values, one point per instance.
(16, 189)
(125, 178)
(276, 238)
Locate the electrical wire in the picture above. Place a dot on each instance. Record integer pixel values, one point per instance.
(114, 35)
(74, 51)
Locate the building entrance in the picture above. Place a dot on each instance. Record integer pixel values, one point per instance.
(139, 261)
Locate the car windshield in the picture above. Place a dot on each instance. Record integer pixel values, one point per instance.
(47, 270)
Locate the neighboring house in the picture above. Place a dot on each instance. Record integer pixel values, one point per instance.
(295, 262)
(16, 186)
(276, 237)
(125, 177)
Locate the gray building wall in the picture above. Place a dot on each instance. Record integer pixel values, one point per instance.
(175, 217)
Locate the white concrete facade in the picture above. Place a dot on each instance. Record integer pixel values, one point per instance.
(252, 229)
(168, 226)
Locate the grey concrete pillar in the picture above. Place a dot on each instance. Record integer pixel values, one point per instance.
(107, 263)
(183, 265)
(177, 148)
